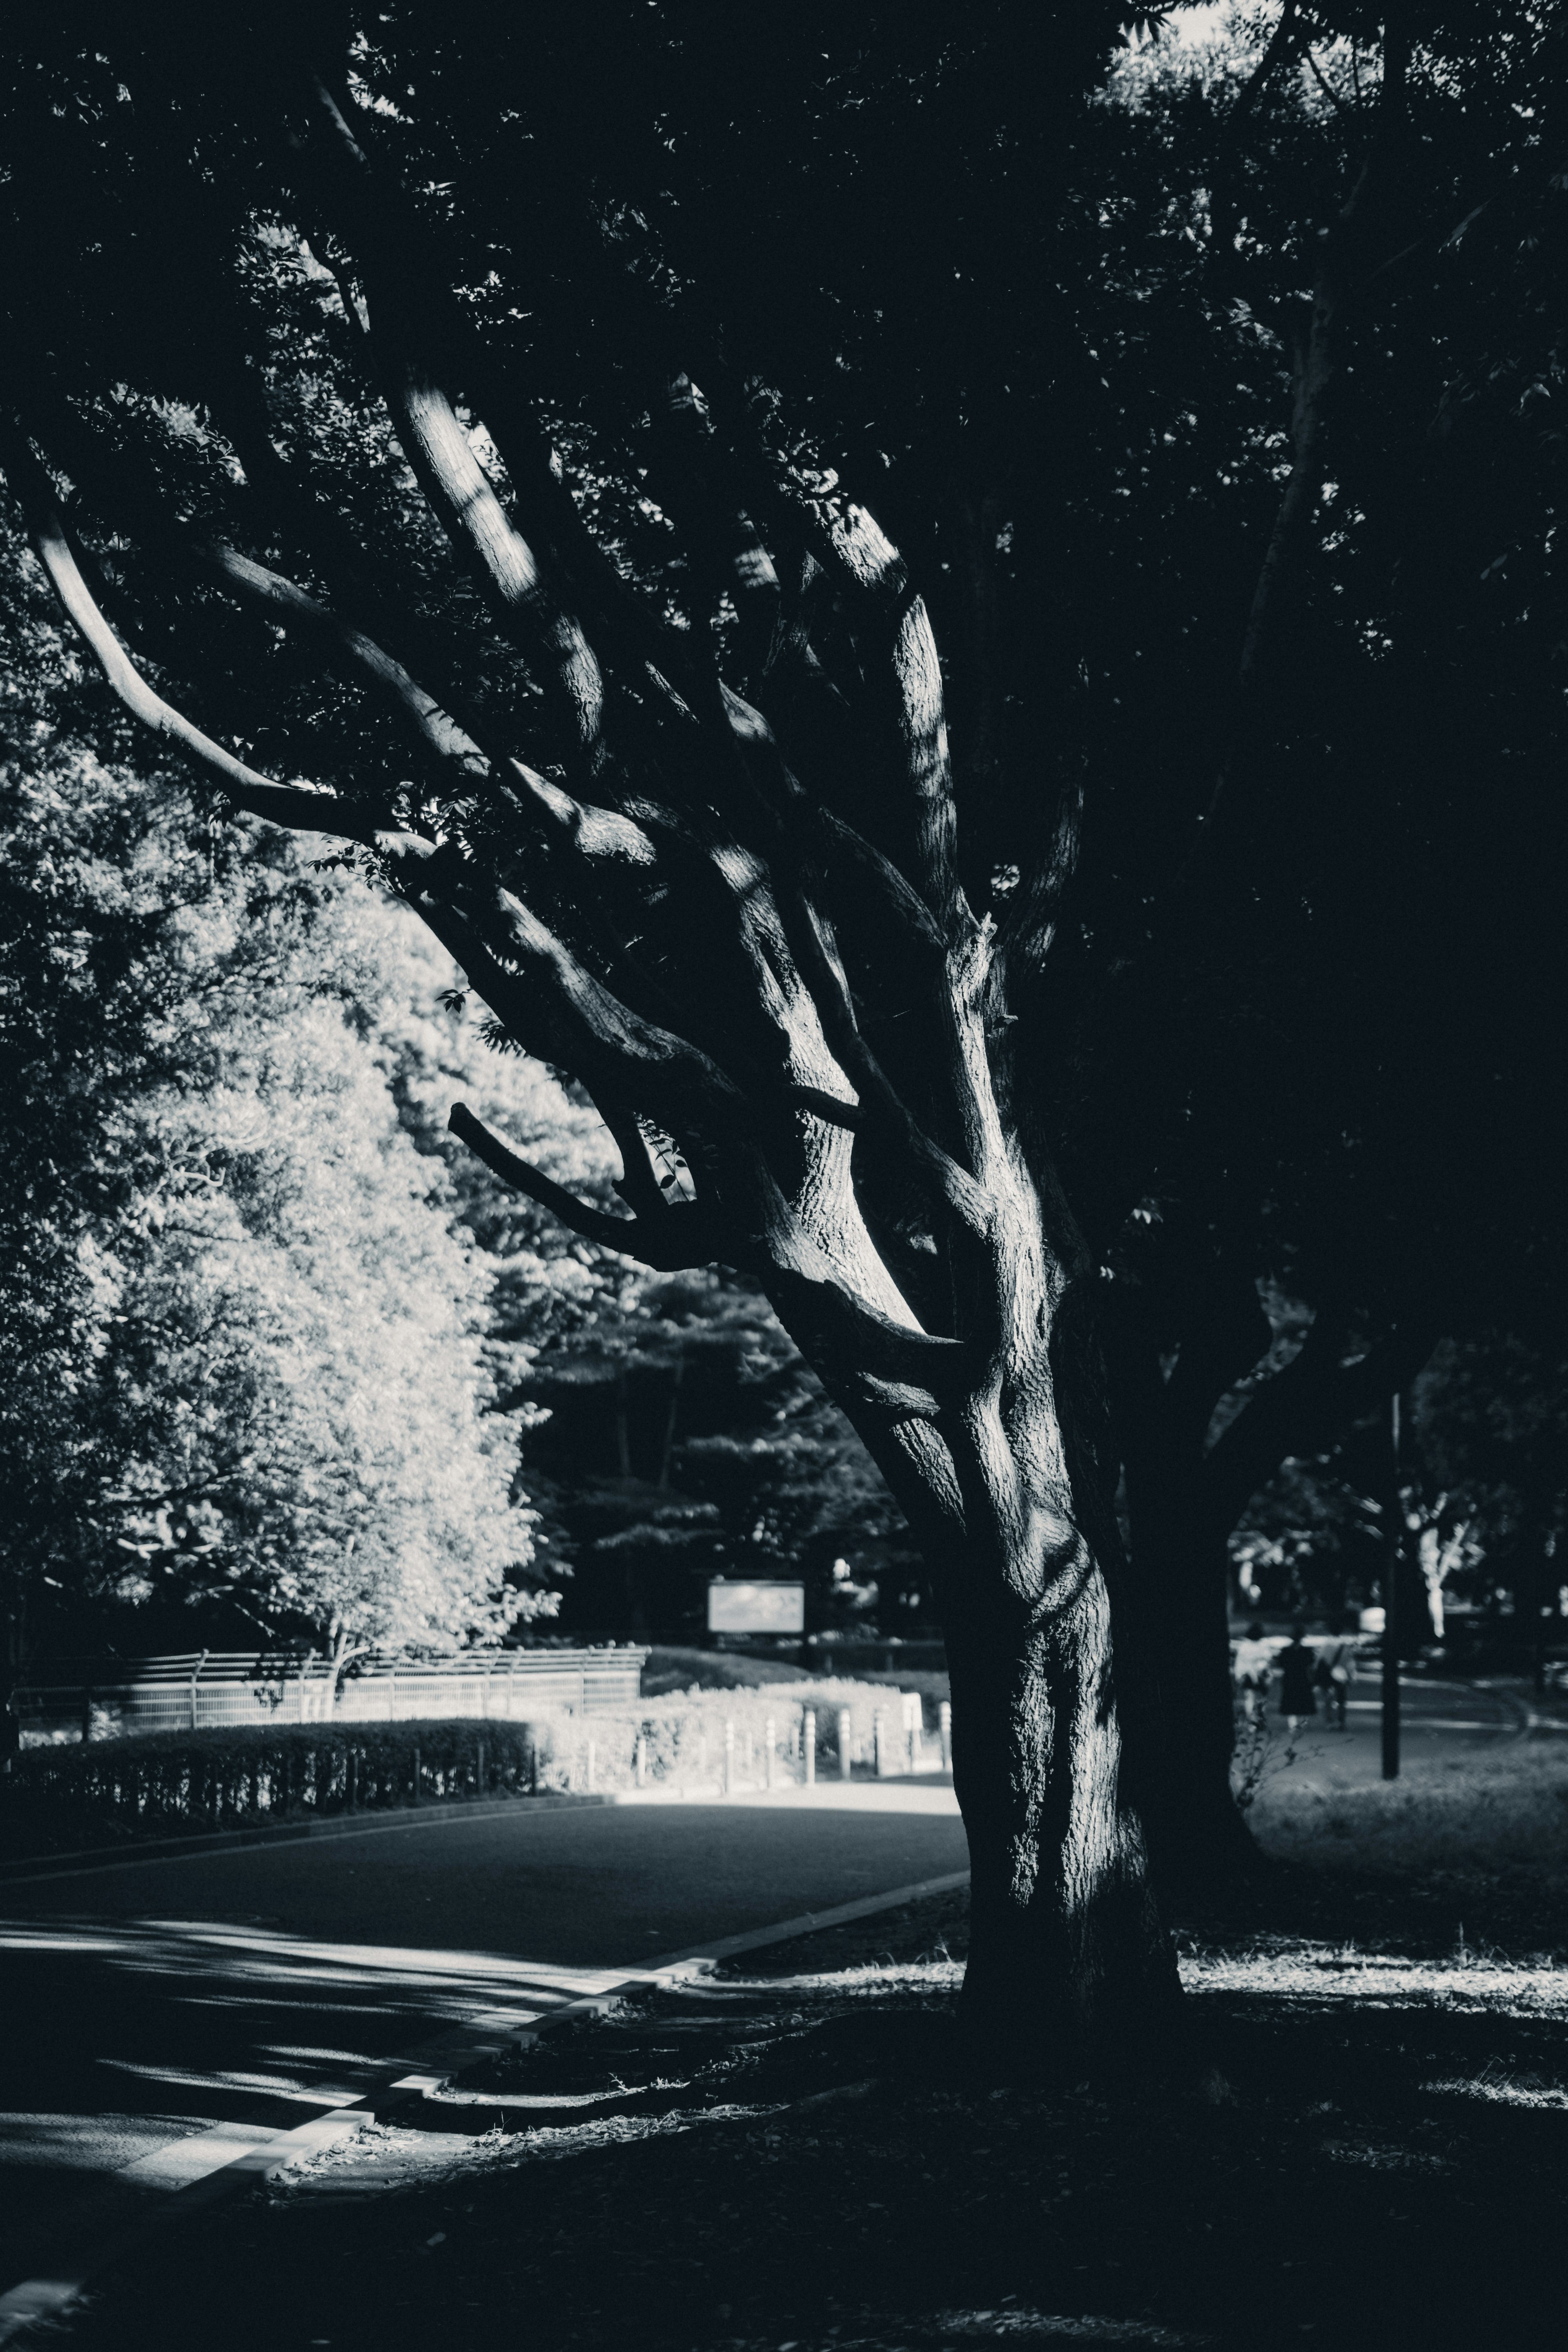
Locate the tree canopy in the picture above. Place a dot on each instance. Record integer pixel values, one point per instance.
(250, 1355)
(958, 621)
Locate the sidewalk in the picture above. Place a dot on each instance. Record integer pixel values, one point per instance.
(1445, 1722)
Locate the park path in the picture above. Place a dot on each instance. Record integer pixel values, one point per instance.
(158, 2011)
(1439, 1719)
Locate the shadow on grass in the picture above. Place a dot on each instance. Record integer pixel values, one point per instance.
(1384, 2163)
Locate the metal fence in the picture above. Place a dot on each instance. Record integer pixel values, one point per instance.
(199, 1689)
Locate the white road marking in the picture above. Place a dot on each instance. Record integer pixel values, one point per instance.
(235, 2154)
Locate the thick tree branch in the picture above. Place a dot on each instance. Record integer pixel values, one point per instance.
(383, 223)
(282, 804)
(1287, 39)
(1303, 1408)
(901, 647)
(947, 1184)
(671, 1248)
(1024, 934)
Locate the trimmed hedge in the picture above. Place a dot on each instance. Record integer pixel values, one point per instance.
(179, 1783)
(170, 1783)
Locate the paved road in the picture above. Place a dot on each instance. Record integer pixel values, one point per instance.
(147, 2003)
(156, 2002)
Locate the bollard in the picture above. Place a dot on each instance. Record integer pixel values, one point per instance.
(592, 1760)
(881, 1753)
(479, 1768)
(846, 1743)
(770, 1737)
(642, 1759)
(729, 1754)
(416, 1775)
(808, 1745)
(944, 1716)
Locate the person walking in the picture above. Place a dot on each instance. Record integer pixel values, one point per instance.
(1296, 1664)
(1252, 1669)
(1335, 1674)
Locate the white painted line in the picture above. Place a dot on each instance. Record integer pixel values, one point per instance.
(227, 2157)
(809, 1922)
(898, 1794)
(39, 2298)
(191, 2158)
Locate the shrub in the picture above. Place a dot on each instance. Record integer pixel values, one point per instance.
(178, 1783)
(683, 1733)
(173, 1783)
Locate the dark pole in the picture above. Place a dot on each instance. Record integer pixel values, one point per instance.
(1396, 1532)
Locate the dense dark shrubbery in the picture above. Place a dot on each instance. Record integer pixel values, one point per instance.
(171, 1783)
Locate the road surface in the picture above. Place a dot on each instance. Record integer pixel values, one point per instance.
(149, 2003)
(156, 2001)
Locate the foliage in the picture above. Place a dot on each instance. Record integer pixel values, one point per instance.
(248, 1351)
(686, 1439)
(1065, 284)
(176, 1783)
(1482, 1493)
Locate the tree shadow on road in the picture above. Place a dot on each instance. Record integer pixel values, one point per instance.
(779, 2157)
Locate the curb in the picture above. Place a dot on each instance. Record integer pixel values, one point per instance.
(448, 2058)
(699, 1961)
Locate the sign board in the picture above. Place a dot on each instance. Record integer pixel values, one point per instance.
(741, 1608)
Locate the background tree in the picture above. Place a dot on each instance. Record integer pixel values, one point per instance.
(250, 1354)
(686, 1439)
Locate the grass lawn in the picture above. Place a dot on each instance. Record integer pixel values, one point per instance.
(1367, 2144)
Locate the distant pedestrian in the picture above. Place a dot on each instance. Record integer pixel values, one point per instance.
(1296, 1664)
(1252, 1669)
(1335, 1674)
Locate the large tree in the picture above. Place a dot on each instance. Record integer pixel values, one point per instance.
(391, 379)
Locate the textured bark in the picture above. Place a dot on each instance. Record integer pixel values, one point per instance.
(739, 920)
(1068, 1961)
(1008, 1486)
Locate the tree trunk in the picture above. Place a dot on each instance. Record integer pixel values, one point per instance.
(1069, 1963)
(1180, 1578)
(845, 1083)
(1182, 1570)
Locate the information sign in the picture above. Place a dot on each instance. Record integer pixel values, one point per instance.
(736, 1607)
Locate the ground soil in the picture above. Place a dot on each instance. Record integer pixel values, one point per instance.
(1364, 2143)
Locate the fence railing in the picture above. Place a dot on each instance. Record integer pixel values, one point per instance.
(207, 1689)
